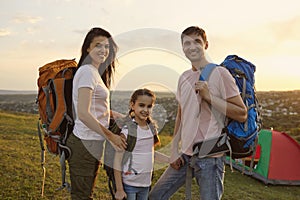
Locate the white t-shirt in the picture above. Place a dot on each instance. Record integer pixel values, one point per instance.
(142, 159)
(198, 124)
(88, 76)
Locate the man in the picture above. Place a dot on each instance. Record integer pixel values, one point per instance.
(202, 108)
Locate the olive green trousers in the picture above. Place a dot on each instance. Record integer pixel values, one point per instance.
(84, 163)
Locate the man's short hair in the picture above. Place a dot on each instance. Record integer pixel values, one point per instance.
(194, 30)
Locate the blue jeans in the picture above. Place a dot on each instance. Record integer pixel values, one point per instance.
(136, 193)
(209, 174)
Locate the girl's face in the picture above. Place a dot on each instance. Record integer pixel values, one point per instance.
(142, 107)
(98, 50)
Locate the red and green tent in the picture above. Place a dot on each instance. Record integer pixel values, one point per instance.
(278, 159)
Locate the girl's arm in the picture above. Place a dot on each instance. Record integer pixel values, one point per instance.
(84, 115)
(160, 157)
(120, 193)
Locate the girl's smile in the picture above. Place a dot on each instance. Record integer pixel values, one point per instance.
(142, 108)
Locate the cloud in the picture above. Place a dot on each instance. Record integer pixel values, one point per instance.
(80, 31)
(286, 30)
(4, 32)
(32, 30)
(27, 19)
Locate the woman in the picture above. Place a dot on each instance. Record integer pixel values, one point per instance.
(91, 106)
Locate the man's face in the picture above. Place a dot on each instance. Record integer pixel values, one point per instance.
(193, 47)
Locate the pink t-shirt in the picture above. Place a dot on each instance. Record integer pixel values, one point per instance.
(197, 121)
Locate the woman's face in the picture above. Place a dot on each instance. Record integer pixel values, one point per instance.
(98, 50)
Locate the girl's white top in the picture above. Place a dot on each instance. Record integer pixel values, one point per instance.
(142, 159)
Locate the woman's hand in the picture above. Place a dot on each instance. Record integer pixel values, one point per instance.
(118, 142)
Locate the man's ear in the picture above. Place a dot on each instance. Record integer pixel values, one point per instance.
(206, 45)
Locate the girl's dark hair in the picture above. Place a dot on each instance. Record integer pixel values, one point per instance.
(134, 97)
(106, 68)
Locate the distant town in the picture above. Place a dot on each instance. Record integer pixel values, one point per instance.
(280, 110)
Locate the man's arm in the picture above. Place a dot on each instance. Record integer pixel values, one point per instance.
(175, 159)
(233, 107)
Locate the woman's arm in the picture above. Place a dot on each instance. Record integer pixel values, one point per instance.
(84, 115)
(116, 114)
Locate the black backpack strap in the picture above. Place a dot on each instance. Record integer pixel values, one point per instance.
(131, 141)
(154, 132)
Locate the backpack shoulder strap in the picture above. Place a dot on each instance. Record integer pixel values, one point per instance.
(154, 131)
(131, 141)
(206, 72)
(132, 134)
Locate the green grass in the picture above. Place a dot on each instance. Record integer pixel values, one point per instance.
(21, 172)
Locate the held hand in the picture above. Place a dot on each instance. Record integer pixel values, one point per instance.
(118, 115)
(118, 142)
(177, 164)
(201, 89)
(120, 195)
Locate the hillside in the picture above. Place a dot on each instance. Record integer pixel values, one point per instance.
(21, 172)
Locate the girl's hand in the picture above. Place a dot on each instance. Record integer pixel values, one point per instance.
(120, 195)
(118, 142)
(177, 164)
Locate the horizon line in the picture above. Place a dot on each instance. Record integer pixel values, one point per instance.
(6, 91)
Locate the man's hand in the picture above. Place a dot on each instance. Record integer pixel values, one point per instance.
(177, 164)
(201, 89)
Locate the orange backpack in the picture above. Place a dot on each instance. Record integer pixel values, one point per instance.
(55, 109)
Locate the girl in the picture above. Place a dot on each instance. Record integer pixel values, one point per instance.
(91, 106)
(133, 179)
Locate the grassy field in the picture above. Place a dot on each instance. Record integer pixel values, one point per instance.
(21, 172)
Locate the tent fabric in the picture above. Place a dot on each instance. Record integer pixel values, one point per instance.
(265, 141)
(284, 158)
(279, 161)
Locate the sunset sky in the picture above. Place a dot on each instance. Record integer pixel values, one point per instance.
(35, 32)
